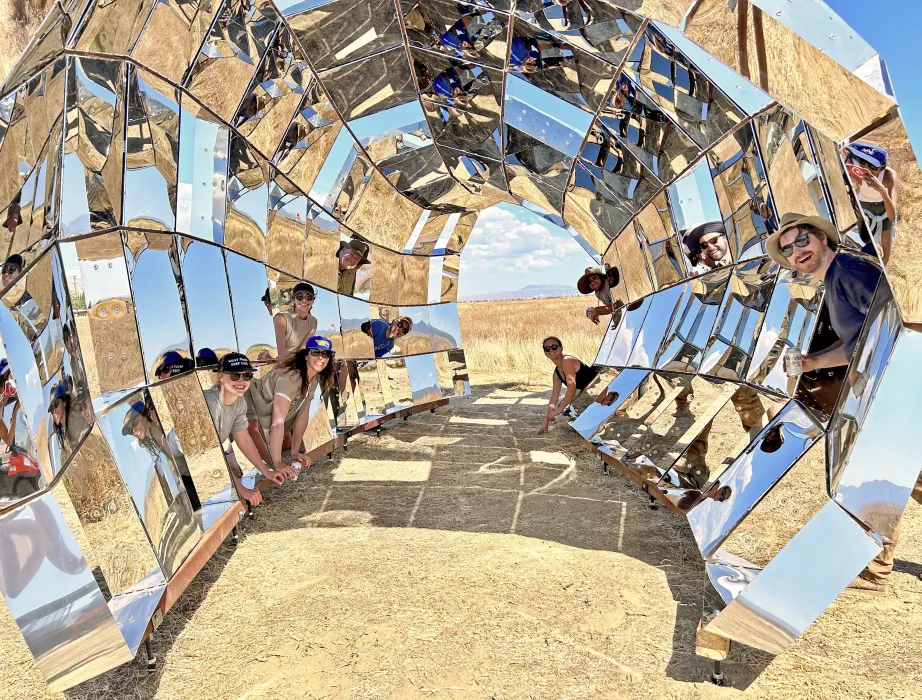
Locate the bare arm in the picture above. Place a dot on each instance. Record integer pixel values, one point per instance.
(833, 356)
(549, 416)
(281, 328)
(251, 452)
(570, 374)
(297, 433)
(9, 434)
(280, 406)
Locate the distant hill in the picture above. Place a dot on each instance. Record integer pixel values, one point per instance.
(532, 291)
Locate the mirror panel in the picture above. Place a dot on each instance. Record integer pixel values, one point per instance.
(247, 224)
(252, 306)
(446, 327)
(355, 315)
(400, 393)
(207, 297)
(153, 269)
(419, 339)
(201, 190)
(424, 381)
(287, 226)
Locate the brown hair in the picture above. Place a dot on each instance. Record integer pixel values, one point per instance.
(551, 337)
(298, 363)
(819, 233)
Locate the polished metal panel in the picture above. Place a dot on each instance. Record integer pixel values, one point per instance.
(207, 297)
(106, 326)
(799, 583)
(354, 314)
(420, 338)
(871, 454)
(172, 36)
(201, 189)
(372, 392)
(110, 522)
(739, 489)
(446, 326)
(788, 322)
(247, 224)
(370, 85)
(739, 320)
(94, 145)
(628, 332)
(399, 390)
(249, 287)
(289, 209)
(48, 587)
(151, 152)
(457, 30)
(593, 418)
(153, 268)
(663, 309)
(424, 381)
(326, 311)
(141, 446)
(239, 37)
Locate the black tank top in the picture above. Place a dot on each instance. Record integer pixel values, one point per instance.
(584, 375)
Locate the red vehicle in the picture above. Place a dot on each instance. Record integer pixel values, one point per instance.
(21, 476)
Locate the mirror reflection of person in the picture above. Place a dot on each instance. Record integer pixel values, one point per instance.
(172, 364)
(228, 409)
(351, 255)
(707, 247)
(206, 357)
(875, 187)
(532, 54)
(569, 371)
(142, 422)
(601, 283)
(71, 414)
(278, 403)
(449, 86)
(10, 273)
(384, 334)
(293, 327)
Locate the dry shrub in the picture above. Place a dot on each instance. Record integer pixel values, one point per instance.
(18, 21)
(503, 338)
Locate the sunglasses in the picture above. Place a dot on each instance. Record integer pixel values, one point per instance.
(237, 376)
(552, 347)
(314, 352)
(304, 296)
(9, 269)
(404, 327)
(708, 244)
(802, 241)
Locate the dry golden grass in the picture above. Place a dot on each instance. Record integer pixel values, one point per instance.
(502, 339)
(18, 19)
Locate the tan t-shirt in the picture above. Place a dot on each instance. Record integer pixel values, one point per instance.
(227, 419)
(297, 330)
(281, 382)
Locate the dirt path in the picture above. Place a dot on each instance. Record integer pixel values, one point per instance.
(460, 555)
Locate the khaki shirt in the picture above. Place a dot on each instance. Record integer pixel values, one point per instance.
(297, 330)
(278, 382)
(227, 419)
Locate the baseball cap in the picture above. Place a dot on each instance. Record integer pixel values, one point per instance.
(318, 342)
(303, 287)
(137, 408)
(234, 362)
(17, 260)
(57, 391)
(173, 363)
(4, 366)
(206, 357)
(869, 153)
(360, 247)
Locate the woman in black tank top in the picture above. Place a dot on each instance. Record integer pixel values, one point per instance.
(569, 371)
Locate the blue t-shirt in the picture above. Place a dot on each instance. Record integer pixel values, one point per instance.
(383, 344)
(850, 285)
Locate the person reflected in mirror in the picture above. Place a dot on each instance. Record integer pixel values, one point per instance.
(707, 247)
(810, 245)
(13, 216)
(266, 299)
(601, 282)
(172, 364)
(607, 398)
(875, 187)
(278, 403)
(143, 423)
(294, 326)
(228, 409)
(70, 415)
(384, 334)
(449, 87)
(351, 255)
(9, 404)
(206, 357)
(569, 371)
(530, 54)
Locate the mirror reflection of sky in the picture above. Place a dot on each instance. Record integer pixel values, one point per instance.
(158, 307)
(693, 198)
(208, 298)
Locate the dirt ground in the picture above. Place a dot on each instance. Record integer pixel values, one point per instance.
(460, 555)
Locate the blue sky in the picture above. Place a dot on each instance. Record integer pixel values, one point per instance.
(511, 248)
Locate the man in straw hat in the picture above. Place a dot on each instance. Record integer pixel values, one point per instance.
(809, 244)
(602, 283)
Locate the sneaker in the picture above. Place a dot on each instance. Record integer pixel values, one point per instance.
(866, 586)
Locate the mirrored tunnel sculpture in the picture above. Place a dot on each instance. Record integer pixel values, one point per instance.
(183, 181)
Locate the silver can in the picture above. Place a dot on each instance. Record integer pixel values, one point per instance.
(793, 363)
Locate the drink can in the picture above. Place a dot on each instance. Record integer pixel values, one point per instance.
(297, 467)
(793, 364)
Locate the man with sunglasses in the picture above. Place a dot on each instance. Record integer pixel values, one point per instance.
(601, 282)
(351, 256)
(296, 325)
(810, 245)
(383, 334)
(228, 410)
(707, 247)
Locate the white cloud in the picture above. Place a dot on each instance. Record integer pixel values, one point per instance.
(505, 242)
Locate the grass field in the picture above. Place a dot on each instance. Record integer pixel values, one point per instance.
(502, 339)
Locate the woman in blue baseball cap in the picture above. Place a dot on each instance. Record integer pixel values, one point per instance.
(278, 402)
(875, 187)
